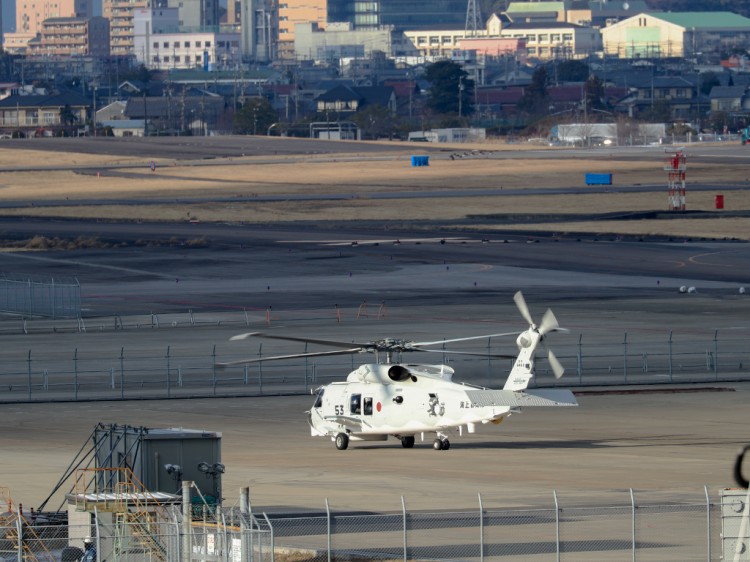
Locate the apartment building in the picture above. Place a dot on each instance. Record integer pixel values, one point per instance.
(120, 14)
(72, 36)
(31, 13)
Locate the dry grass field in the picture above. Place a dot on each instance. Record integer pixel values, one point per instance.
(358, 178)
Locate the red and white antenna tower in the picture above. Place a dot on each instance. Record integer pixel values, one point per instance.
(676, 166)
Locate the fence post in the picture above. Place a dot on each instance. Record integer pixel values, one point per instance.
(122, 372)
(580, 359)
(75, 376)
(97, 531)
(28, 371)
(708, 523)
(716, 355)
(670, 355)
(213, 368)
(625, 358)
(260, 369)
(306, 366)
(403, 517)
(19, 531)
(328, 529)
(632, 507)
(187, 518)
(168, 389)
(481, 529)
(272, 546)
(557, 526)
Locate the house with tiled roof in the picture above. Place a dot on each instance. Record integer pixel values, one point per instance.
(731, 99)
(350, 99)
(30, 115)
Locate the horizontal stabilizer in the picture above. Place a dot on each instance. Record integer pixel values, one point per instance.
(517, 399)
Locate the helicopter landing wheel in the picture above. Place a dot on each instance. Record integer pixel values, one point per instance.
(437, 444)
(407, 442)
(446, 444)
(342, 441)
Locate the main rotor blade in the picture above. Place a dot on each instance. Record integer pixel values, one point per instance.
(293, 356)
(450, 352)
(522, 307)
(291, 338)
(557, 367)
(422, 343)
(549, 323)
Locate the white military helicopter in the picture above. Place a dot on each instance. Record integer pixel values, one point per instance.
(404, 400)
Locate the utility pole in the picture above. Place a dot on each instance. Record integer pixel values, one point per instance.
(460, 95)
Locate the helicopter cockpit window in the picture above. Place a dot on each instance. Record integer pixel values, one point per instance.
(356, 404)
(319, 399)
(368, 406)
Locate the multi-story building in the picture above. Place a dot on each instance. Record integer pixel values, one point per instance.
(73, 36)
(188, 50)
(676, 34)
(31, 13)
(293, 12)
(415, 14)
(193, 15)
(120, 14)
(340, 41)
(543, 40)
(548, 39)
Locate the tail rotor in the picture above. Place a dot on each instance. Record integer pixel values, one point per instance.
(548, 325)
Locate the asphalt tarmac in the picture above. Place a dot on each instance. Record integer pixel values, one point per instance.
(435, 284)
(674, 441)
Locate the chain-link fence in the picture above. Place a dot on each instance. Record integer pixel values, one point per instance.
(134, 537)
(636, 529)
(51, 297)
(90, 372)
(634, 526)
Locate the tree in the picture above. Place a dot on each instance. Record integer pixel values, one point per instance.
(570, 70)
(375, 121)
(67, 117)
(254, 117)
(450, 89)
(708, 80)
(535, 95)
(594, 91)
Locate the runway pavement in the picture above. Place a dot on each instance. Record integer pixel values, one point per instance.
(674, 442)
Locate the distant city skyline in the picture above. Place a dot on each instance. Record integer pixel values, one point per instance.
(9, 13)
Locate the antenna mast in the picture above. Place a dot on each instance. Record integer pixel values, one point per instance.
(473, 19)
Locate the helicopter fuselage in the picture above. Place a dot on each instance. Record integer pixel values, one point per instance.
(379, 400)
